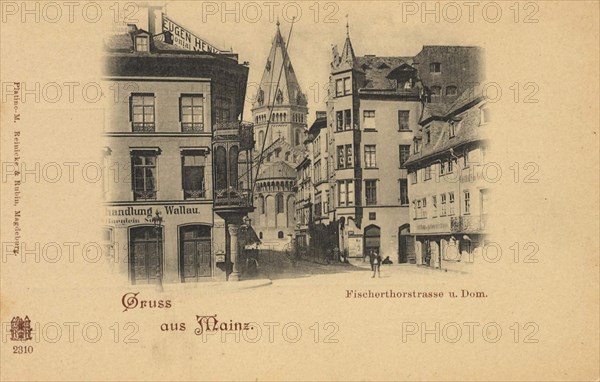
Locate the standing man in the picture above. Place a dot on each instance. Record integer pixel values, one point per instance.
(376, 264)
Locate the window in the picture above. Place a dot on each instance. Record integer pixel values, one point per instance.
(279, 204)
(261, 205)
(371, 192)
(341, 157)
(414, 207)
(345, 193)
(451, 203)
(450, 167)
(403, 153)
(485, 201)
(339, 88)
(467, 202)
(144, 176)
(141, 44)
(451, 90)
(436, 91)
(142, 112)
(434, 206)
(419, 209)
(435, 67)
(280, 235)
(345, 156)
(403, 120)
(466, 158)
(369, 119)
(191, 113)
(372, 216)
(485, 116)
(222, 110)
(403, 192)
(339, 119)
(349, 156)
(347, 86)
(347, 120)
(108, 242)
(452, 129)
(413, 177)
(424, 213)
(443, 213)
(442, 167)
(318, 171)
(417, 146)
(427, 174)
(193, 176)
(427, 136)
(370, 156)
(260, 235)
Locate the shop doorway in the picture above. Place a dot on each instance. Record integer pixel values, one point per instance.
(146, 254)
(406, 245)
(372, 239)
(195, 252)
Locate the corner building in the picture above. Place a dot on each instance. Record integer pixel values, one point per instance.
(165, 139)
(373, 112)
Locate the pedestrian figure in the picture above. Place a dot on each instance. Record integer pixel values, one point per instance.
(371, 258)
(376, 264)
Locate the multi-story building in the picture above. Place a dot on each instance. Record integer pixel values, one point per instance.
(448, 191)
(373, 111)
(174, 198)
(279, 112)
(313, 228)
(304, 203)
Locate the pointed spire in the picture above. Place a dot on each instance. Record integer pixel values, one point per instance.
(348, 51)
(347, 27)
(289, 89)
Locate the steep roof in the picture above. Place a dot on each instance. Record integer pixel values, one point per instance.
(289, 88)
(464, 113)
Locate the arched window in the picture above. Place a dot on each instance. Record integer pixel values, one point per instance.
(261, 204)
(279, 204)
(221, 168)
(279, 96)
(297, 137)
(451, 91)
(280, 235)
(261, 137)
(287, 156)
(233, 166)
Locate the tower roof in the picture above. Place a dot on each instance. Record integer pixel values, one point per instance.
(346, 60)
(289, 92)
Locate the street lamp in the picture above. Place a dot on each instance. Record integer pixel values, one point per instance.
(157, 221)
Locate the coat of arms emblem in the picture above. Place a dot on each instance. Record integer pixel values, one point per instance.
(20, 329)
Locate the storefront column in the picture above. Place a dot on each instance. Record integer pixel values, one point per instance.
(234, 229)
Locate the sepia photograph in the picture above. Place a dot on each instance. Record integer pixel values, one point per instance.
(300, 190)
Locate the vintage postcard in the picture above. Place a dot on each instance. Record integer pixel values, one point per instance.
(299, 190)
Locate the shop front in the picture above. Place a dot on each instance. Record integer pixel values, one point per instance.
(173, 243)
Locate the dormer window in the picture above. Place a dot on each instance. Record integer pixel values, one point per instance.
(417, 146)
(452, 129)
(141, 44)
(485, 116)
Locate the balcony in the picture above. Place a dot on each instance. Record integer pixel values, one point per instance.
(232, 199)
(468, 224)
